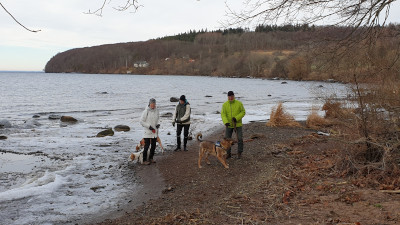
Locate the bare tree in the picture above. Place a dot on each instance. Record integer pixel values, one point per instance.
(124, 6)
(4, 8)
(357, 13)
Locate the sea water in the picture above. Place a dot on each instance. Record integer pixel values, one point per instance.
(57, 173)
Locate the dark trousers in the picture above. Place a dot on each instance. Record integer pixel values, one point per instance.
(147, 143)
(228, 134)
(185, 134)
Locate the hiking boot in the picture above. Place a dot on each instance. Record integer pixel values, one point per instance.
(185, 149)
(146, 163)
(152, 161)
(228, 156)
(177, 149)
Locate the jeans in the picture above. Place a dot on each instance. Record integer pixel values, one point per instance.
(185, 134)
(228, 134)
(147, 142)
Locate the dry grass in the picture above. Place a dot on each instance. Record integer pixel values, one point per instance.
(280, 118)
(315, 121)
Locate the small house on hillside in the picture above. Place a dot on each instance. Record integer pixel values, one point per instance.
(140, 64)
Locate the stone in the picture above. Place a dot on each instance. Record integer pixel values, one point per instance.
(54, 117)
(168, 114)
(284, 82)
(31, 123)
(5, 124)
(123, 128)
(3, 137)
(174, 99)
(36, 116)
(108, 132)
(68, 119)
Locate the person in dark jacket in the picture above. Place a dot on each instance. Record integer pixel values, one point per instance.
(182, 118)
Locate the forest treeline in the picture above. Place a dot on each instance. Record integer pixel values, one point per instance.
(298, 52)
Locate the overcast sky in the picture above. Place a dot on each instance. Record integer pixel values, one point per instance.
(64, 25)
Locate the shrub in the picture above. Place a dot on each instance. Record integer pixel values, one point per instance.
(280, 118)
(316, 121)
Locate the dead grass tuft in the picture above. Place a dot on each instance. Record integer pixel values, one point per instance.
(280, 118)
(315, 121)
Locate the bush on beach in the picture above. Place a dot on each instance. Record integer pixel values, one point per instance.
(280, 118)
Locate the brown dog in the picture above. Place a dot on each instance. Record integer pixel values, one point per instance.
(210, 148)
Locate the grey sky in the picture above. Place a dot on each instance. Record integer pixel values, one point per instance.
(64, 25)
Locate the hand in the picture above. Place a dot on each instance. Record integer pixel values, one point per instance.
(227, 124)
(173, 124)
(234, 119)
(158, 126)
(151, 128)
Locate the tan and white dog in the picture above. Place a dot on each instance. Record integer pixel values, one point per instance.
(138, 155)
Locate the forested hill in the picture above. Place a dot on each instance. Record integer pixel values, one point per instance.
(268, 51)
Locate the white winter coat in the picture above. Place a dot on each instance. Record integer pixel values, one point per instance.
(150, 118)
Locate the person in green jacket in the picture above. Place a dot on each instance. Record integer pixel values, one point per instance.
(232, 113)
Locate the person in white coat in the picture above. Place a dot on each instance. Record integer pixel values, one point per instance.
(149, 121)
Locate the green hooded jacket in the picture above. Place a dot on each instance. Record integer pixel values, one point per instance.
(233, 109)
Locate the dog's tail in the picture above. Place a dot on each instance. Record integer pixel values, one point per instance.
(199, 136)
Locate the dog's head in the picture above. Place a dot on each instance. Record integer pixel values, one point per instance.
(140, 145)
(132, 157)
(227, 142)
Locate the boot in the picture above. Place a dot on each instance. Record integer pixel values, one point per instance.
(178, 141)
(185, 139)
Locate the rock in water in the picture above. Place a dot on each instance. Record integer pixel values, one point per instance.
(54, 117)
(108, 132)
(3, 137)
(68, 119)
(5, 124)
(122, 128)
(174, 99)
(168, 114)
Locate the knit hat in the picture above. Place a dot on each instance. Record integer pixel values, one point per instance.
(183, 98)
(152, 100)
(230, 93)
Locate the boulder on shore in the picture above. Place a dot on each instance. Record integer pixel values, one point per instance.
(5, 124)
(68, 119)
(108, 132)
(174, 99)
(123, 128)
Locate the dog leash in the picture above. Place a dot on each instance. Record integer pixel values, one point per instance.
(234, 127)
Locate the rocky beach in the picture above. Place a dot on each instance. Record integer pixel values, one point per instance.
(284, 177)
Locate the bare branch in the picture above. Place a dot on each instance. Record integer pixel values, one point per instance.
(129, 4)
(17, 20)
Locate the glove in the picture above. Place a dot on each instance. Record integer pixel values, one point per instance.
(152, 129)
(234, 119)
(173, 124)
(227, 124)
(178, 120)
(158, 126)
